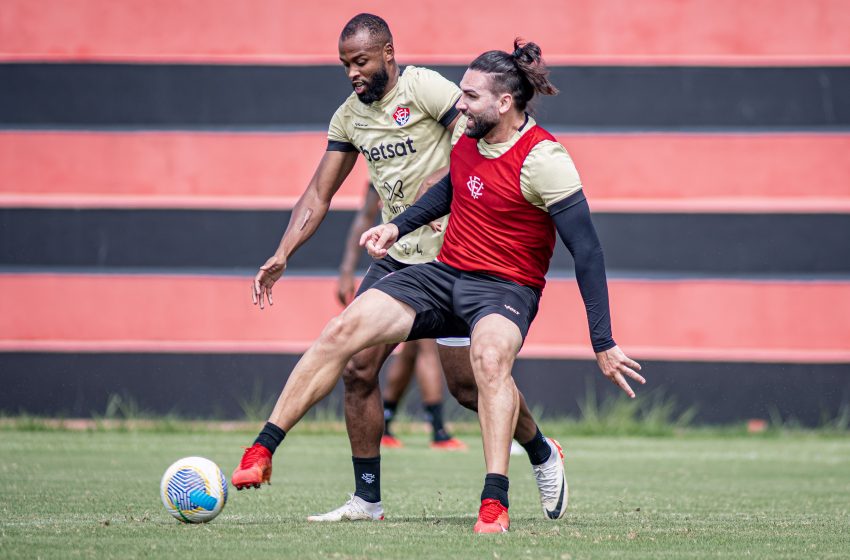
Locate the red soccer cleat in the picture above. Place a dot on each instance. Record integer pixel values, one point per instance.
(390, 441)
(492, 517)
(450, 444)
(254, 469)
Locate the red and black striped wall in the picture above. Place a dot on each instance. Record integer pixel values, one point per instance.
(150, 152)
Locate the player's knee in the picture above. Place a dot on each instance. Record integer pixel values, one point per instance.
(338, 334)
(360, 374)
(490, 364)
(334, 332)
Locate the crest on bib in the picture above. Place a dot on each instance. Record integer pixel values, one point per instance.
(476, 186)
(401, 115)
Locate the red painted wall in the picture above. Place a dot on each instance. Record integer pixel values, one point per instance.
(677, 319)
(597, 31)
(621, 172)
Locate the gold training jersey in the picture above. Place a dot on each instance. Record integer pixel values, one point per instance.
(548, 173)
(404, 139)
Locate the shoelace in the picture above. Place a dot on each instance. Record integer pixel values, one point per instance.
(351, 504)
(545, 482)
(252, 455)
(490, 510)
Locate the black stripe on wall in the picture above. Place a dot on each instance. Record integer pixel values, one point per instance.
(204, 385)
(711, 244)
(176, 96)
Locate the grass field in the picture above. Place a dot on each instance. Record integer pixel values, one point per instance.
(72, 494)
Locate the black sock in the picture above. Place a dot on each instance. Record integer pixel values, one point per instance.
(389, 413)
(538, 449)
(496, 488)
(270, 437)
(434, 413)
(367, 478)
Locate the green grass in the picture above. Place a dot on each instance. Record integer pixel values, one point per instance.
(68, 494)
(654, 414)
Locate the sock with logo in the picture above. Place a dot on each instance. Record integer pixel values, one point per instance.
(538, 449)
(367, 478)
(434, 414)
(389, 413)
(270, 437)
(495, 487)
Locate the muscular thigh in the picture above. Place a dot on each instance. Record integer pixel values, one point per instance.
(498, 335)
(477, 296)
(375, 318)
(427, 289)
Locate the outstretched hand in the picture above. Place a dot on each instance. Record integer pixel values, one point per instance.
(379, 239)
(616, 366)
(264, 280)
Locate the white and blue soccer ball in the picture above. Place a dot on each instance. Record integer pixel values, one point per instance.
(193, 490)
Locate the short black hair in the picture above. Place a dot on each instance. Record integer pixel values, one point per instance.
(377, 28)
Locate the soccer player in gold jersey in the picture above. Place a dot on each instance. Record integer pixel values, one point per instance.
(419, 357)
(402, 123)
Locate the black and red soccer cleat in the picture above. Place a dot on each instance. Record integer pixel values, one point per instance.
(254, 469)
(492, 517)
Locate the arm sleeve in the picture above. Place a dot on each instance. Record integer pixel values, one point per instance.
(572, 220)
(337, 146)
(435, 203)
(448, 117)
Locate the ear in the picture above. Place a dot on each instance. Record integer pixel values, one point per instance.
(506, 103)
(389, 53)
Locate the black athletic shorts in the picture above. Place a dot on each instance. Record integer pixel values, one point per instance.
(449, 302)
(377, 270)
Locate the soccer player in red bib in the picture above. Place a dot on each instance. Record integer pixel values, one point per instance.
(511, 187)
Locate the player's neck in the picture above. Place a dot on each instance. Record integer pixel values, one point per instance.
(392, 82)
(507, 127)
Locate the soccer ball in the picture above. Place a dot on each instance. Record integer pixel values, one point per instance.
(193, 490)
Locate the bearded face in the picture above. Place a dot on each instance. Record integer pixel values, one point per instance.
(365, 61)
(372, 89)
(479, 103)
(479, 125)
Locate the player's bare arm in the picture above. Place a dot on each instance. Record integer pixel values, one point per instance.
(307, 214)
(365, 217)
